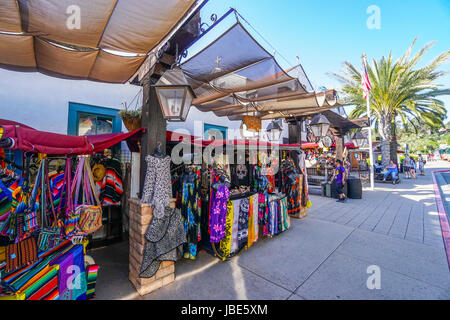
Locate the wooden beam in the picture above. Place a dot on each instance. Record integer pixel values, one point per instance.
(167, 59)
(154, 124)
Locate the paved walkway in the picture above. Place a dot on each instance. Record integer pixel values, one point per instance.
(394, 230)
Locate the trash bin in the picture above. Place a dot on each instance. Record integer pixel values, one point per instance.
(333, 190)
(354, 188)
(326, 189)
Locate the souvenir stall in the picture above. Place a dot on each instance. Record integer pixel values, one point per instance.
(229, 205)
(50, 209)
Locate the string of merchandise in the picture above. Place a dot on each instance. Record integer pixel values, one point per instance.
(224, 208)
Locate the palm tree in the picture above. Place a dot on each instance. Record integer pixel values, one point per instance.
(400, 90)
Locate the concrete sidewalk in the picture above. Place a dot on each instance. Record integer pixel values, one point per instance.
(394, 229)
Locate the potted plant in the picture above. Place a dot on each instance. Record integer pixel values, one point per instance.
(131, 118)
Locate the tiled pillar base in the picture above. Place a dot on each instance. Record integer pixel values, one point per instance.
(140, 217)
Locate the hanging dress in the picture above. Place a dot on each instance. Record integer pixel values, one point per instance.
(165, 237)
(157, 189)
(243, 223)
(235, 229)
(218, 214)
(225, 244)
(191, 213)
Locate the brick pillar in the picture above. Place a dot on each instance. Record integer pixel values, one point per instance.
(140, 217)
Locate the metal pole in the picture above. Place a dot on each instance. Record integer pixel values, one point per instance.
(372, 183)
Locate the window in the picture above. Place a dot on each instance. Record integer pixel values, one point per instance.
(90, 120)
(211, 130)
(92, 124)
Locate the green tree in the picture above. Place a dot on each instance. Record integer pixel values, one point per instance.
(400, 90)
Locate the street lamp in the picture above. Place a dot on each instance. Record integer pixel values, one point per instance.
(274, 131)
(319, 125)
(174, 94)
(359, 139)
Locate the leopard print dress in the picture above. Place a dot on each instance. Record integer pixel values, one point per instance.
(157, 185)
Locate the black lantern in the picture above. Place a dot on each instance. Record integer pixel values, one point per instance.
(359, 139)
(174, 94)
(274, 131)
(319, 125)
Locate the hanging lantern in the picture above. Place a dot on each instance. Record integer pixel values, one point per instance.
(174, 94)
(359, 139)
(253, 123)
(319, 125)
(274, 131)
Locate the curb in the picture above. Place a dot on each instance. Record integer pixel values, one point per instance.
(443, 219)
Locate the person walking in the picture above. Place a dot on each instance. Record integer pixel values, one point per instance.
(340, 176)
(391, 170)
(421, 165)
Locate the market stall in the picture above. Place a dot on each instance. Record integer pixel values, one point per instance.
(52, 206)
(240, 197)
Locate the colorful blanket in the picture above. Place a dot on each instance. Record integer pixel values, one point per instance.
(72, 276)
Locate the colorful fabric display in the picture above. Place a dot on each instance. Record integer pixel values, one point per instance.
(235, 226)
(2, 254)
(112, 184)
(5, 202)
(72, 277)
(218, 213)
(43, 286)
(191, 212)
(57, 188)
(37, 280)
(91, 279)
(225, 244)
(20, 254)
(243, 223)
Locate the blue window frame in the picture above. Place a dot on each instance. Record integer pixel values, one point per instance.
(207, 127)
(87, 119)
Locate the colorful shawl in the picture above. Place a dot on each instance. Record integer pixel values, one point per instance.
(72, 277)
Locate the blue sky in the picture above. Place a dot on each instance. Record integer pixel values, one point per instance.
(325, 33)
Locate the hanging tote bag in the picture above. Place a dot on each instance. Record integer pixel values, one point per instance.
(24, 221)
(90, 215)
(71, 216)
(51, 233)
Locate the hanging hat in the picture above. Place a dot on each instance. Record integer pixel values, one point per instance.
(98, 172)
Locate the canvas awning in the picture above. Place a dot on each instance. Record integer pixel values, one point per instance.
(111, 41)
(235, 76)
(31, 140)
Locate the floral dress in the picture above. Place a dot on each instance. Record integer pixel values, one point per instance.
(218, 214)
(191, 212)
(225, 244)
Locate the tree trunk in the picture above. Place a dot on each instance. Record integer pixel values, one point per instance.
(394, 144)
(386, 138)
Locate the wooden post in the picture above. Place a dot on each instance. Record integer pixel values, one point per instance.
(295, 136)
(154, 124)
(339, 145)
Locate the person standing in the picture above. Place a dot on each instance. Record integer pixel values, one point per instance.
(422, 165)
(339, 175)
(413, 168)
(407, 166)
